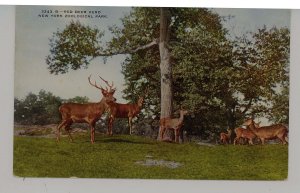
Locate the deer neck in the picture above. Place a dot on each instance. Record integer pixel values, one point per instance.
(181, 117)
(140, 102)
(229, 133)
(252, 127)
(102, 104)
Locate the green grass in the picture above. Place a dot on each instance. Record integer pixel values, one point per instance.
(116, 157)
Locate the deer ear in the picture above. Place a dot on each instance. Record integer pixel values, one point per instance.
(113, 91)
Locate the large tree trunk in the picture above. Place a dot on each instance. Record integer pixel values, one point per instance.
(165, 67)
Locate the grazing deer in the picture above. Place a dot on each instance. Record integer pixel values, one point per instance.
(169, 123)
(225, 137)
(85, 113)
(117, 110)
(268, 132)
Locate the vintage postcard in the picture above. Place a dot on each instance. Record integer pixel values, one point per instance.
(151, 93)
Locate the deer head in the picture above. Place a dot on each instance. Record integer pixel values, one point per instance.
(248, 122)
(107, 92)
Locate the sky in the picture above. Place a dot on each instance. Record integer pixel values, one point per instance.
(32, 47)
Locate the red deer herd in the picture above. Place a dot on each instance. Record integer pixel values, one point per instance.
(254, 130)
(91, 112)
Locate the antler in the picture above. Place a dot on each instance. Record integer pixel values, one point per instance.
(106, 82)
(95, 85)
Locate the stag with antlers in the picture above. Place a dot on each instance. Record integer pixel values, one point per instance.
(129, 111)
(85, 113)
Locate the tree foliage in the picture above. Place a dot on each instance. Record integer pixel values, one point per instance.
(262, 71)
(74, 47)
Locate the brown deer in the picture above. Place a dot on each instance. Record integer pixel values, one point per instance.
(268, 132)
(169, 123)
(225, 137)
(85, 113)
(117, 110)
(242, 133)
(246, 134)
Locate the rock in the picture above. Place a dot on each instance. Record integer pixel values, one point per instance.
(206, 144)
(20, 132)
(152, 162)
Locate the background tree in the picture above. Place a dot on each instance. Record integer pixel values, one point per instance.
(78, 99)
(41, 108)
(37, 109)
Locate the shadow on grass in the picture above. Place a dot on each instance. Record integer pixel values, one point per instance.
(123, 141)
(109, 141)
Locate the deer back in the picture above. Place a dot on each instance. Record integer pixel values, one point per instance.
(119, 110)
(245, 133)
(170, 123)
(81, 111)
(267, 132)
(271, 131)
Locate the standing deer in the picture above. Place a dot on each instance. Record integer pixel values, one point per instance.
(85, 113)
(245, 134)
(169, 123)
(117, 110)
(268, 132)
(225, 137)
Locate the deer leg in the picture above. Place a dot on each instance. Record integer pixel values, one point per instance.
(92, 133)
(262, 141)
(250, 141)
(162, 132)
(225, 141)
(176, 131)
(58, 129)
(283, 141)
(242, 141)
(110, 125)
(235, 139)
(130, 125)
(285, 138)
(67, 128)
(282, 138)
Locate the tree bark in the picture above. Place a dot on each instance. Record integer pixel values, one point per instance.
(165, 67)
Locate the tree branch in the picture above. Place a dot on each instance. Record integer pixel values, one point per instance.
(129, 51)
(247, 106)
(154, 42)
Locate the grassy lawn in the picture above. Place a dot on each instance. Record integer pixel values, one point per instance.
(117, 157)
